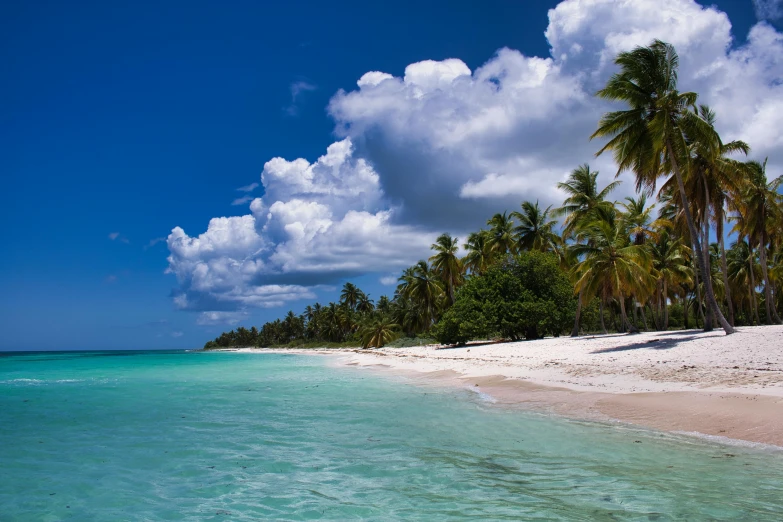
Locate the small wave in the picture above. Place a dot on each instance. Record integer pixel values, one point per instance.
(484, 397)
(720, 439)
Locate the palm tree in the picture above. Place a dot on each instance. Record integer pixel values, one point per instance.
(364, 304)
(670, 261)
(479, 256)
(534, 231)
(638, 222)
(582, 201)
(446, 264)
(651, 138)
(582, 197)
(501, 235)
(611, 264)
(378, 331)
(423, 287)
(743, 271)
(762, 207)
(719, 176)
(350, 295)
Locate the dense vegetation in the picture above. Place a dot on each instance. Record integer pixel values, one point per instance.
(634, 264)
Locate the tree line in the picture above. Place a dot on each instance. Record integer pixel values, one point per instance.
(636, 263)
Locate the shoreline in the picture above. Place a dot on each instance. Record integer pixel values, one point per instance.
(686, 382)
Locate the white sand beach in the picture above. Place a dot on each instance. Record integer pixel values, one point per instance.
(688, 381)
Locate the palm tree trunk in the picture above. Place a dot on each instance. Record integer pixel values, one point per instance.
(601, 314)
(685, 309)
(772, 314)
(711, 302)
(724, 265)
(754, 305)
(627, 326)
(575, 330)
(665, 306)
(698, 299)
(710, 317)
(644, 317)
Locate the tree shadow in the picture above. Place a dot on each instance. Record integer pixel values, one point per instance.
(664, 341)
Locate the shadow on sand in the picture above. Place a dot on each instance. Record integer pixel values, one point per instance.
(662, 341)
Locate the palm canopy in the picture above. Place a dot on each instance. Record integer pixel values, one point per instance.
(479, 252)
(582, 196)
(638, 222)
(535, 229)
(501, 234)
(611, 264)
(446, 264)
(653, 137)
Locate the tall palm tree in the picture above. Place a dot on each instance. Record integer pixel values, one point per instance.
(762, 207)
(501, 235)
(535, 229)
(350, 295)
(582, 201)
(651, 138)
(612, 264)
(719, 176)
(479, 252)
(446, 264)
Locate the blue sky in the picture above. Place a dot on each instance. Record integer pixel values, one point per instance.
(122, 121)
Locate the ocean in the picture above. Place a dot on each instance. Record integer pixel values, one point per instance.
(235, 436)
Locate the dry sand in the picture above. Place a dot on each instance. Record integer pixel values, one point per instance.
(685, 381)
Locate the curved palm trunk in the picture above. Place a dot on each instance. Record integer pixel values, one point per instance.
(772, 313)
(711, 302)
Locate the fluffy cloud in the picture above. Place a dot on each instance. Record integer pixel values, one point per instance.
(518, 124)
(316, 221)
(443, 148)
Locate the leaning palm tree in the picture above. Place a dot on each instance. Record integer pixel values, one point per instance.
(652, 137)
(583, 200)
(378, 331)
(446, 264)
(479, 252)
(611, 265)
(535, 229)
(501, 235)
(762, 207)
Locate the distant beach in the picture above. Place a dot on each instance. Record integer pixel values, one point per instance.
(680, 381)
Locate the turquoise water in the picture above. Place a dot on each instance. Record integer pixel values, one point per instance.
(227, 436)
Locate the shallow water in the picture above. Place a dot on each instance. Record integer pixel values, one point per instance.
(228, 436)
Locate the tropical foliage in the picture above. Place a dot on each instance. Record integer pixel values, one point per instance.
(627, 266)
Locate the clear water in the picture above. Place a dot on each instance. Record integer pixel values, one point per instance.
(226, 436)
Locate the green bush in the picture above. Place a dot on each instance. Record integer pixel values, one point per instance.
(529, 297)
(408, 342)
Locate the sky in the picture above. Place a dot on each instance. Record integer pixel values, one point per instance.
(171, 170)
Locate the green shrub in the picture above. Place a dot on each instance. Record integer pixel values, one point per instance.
(528, 297)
